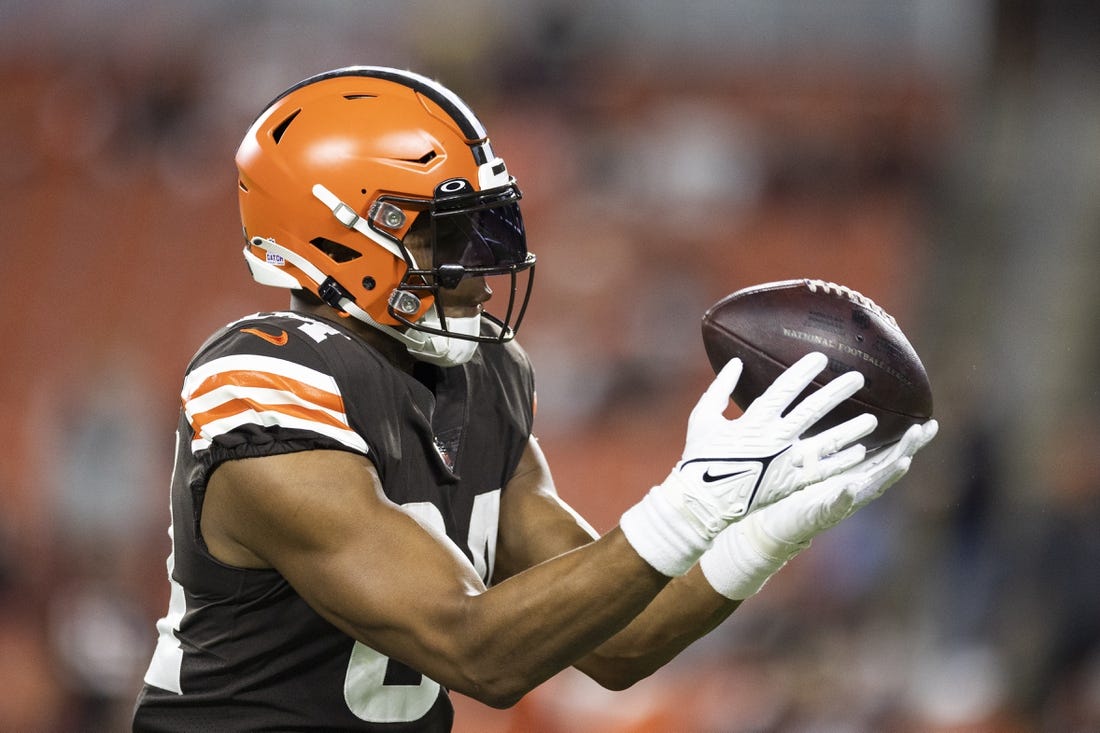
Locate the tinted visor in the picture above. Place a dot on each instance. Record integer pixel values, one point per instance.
(483, 230)
(470, 234)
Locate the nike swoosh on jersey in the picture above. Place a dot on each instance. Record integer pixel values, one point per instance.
(279, 340)
(244, 389)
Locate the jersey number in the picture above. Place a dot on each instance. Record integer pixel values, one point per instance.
(366, 692)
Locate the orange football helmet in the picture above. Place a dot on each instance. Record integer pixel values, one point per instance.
(335, 171)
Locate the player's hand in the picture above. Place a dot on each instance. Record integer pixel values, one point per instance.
(731, 467)
(749, 552)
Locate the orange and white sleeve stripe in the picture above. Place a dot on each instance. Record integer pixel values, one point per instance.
(245, 389)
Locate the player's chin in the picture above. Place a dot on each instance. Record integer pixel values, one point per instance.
(462, 311)
(454, 305)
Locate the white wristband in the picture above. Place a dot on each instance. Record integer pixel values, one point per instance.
(743, 558)
(662, 535)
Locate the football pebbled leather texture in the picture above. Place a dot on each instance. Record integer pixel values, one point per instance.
(771, 326)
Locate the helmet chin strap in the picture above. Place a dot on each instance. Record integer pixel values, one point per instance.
(433, 348)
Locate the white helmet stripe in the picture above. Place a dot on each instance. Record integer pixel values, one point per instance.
(433, 88)
(467, 121)
(461, 113)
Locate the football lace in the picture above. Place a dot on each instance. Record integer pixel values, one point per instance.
(853, 295)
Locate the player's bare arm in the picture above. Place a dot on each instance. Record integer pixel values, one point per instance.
(536, 525)
(369, 568)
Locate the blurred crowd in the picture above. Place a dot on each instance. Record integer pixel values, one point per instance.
(942, 158)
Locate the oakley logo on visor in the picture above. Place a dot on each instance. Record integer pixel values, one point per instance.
(453, 187)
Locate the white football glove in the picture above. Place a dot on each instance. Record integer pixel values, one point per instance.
(732, 467)
(749, 552)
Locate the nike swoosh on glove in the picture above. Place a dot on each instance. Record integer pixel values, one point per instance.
(732, 467)
(747, 554)
(761, 454)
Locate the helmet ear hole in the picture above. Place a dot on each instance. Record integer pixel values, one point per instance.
(368, 283)
(334, 250)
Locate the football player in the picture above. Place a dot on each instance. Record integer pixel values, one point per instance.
(361, 517)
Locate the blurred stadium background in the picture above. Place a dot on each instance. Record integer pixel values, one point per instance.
(941, 157)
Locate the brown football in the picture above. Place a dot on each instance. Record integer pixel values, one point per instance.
(771, 326)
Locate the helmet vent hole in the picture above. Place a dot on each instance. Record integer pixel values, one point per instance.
(280, 130)
(334, 250)
(425, 158)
